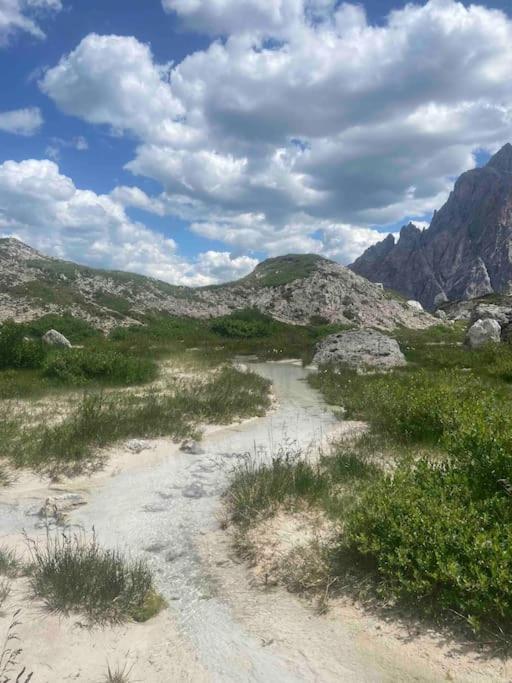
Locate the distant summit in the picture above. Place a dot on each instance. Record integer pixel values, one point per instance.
(467, 250)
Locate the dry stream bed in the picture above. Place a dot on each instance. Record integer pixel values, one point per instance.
(221, 623)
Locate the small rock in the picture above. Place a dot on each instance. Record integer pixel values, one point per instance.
(441, 315)
(241, 367)
(415, 304)
(137, 445)
(59, 507)
(194, 491)
(483, 332)
(192, 447)
(54, 338)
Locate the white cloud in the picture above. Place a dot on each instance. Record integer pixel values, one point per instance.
(21, 16)
(21, 121)
(44, 208)
(304, 116)
(56, 145)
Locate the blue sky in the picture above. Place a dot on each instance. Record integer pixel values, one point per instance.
(188, 139)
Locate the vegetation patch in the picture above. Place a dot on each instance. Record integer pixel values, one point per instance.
(73, 573)
(101, 419)
(79, 366)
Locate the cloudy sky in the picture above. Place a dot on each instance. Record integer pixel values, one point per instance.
(189, 139)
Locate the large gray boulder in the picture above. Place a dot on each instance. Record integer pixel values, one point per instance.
(483, 332)
(360, 348)
(54, 338)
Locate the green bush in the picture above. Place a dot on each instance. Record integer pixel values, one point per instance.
(16, 351)
(434, 538)
(74, 329)
(243, 325)
(78, 366)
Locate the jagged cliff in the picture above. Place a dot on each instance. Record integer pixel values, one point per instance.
(467, 250)
(294, 288)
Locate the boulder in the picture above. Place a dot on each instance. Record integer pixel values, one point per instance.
(503, 314)
(359, 349)
(415, 304)
(483, 332)
(440, 315)
(54, 338)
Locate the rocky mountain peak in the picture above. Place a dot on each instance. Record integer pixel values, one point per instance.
(502, 160)
(467, 250)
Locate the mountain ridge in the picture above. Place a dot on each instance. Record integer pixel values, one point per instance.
(291, 288)
(466, 252)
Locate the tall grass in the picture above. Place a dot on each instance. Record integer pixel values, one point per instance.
(105, 418)
(73, 573)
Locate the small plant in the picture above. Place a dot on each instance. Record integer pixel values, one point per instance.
(72, 572)
(118, 675)
(10, 671)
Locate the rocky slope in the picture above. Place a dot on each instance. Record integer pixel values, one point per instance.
(294, 289)
(467, 250)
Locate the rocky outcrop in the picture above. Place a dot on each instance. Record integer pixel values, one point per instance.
(467, 250)
(54, 338)
(296, 289)
(483, 332)
(360, 349)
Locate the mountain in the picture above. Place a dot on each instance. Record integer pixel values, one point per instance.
(467, 250)
(294, 288)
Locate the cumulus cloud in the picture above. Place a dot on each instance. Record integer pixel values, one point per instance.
(18, 16)
(21, 121)
(44, 208)
(304, 115)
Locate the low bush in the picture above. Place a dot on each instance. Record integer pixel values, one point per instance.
(76, 330)
(244, 325)
(17, 351)
(78, 366)
(72, 572)
(436, 539)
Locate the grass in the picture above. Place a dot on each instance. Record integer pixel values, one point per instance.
(73, 573)
(118, 675)
(101, 419)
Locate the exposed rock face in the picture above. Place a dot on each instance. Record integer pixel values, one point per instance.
(483, 332)
(360, 348)
(467, 250)
(293, 289)
(54, 338)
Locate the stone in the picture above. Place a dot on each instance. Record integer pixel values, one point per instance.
(57, 508)
(482, 332)
(360, 349)
(192, 447)
(415, 304)
(241, 367)
(503, 314)
(440, 315)
(138, 445)
(54, 338)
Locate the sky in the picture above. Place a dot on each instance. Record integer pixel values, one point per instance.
(189, 139)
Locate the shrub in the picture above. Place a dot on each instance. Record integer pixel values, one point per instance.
(16, 351)
(243, 324)
(74, 573)
(77, 366)
(74, 329)
(434, 541)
